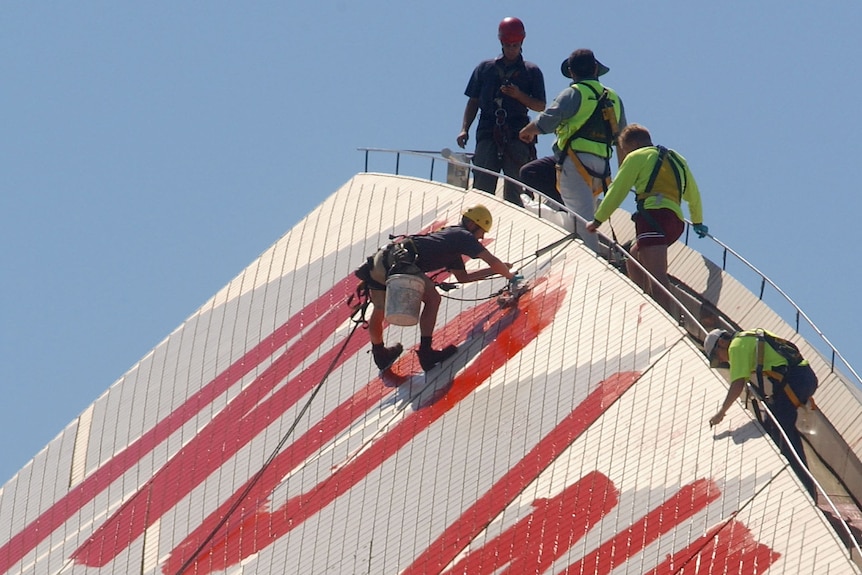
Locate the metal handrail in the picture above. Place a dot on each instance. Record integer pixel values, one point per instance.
(755, 393)
(764, 281)
(445, 154)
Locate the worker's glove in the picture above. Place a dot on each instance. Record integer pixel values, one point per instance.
(701, 230)
(516, 282)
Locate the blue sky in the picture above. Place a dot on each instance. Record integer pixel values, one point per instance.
(151, 151)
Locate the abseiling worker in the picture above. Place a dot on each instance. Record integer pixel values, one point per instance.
(793, 382)
(661, 179)
(424, 253)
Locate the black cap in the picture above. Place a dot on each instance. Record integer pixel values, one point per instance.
(582, 59)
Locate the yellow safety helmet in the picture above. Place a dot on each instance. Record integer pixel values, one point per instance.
(479, 215)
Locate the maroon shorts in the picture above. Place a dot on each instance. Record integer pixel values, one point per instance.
(671, 228)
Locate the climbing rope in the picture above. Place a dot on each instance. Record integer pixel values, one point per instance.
(357, 321)
(448, 286)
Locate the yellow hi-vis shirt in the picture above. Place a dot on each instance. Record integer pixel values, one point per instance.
(635, 172)
(742, 355)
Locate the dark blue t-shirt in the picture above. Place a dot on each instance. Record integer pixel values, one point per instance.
(485, 83)
(444, 248)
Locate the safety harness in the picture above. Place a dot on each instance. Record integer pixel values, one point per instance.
(681, 183)
(601, 127)
(399, 257)
(786, 349)
(501, 131)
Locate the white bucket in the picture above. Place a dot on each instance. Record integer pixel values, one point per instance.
(404, 299)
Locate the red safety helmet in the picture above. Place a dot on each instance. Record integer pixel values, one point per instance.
(511, 31)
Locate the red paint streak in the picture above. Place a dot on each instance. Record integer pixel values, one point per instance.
(688, 501)
(728, 549)
(543, 536)
(457, 536)
(233, 428)
(326, 430)
(58, 513)
(52, 518)
(252, 532)
(240, 422)
(228, 432)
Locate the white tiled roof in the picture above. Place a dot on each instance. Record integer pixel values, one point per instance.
(569, 432)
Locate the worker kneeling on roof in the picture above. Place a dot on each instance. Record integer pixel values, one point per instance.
(784, 379)
(420, 254)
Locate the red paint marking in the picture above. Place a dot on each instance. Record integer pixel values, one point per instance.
(249, 534)
(23, 542)
(688, 501)
(58, 513)
(457, 536)
(239, 423)
(543, 536)
(728, 549)
(228, 432)
(233, 428)
(327, 429)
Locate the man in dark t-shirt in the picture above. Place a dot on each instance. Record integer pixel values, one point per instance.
(501, 91)
(440, 250)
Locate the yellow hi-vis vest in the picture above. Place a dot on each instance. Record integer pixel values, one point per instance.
(584, 132)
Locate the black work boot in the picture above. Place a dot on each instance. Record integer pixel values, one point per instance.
(430, 358)
(386, 356)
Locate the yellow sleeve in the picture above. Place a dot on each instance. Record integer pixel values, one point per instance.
(692, 197)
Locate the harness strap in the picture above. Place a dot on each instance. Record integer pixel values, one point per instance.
(501, 132)
(662, 153)
(678, 174)
(776, 376)
(607, 114)
(401, 256)
(759, 368)
(598, 182)
(612, 128)
(791, 395)
(611, 132)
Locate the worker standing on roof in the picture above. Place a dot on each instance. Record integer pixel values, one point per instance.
(501, 91)
(586, 117)
(440, 250)
(661, 179)
(771, 361)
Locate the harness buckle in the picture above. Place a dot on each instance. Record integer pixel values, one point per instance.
(500, 116)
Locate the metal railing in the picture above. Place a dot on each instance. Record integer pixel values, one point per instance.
(799, 316)
(445, 155)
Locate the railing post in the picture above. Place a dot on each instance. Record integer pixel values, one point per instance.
(800, 315)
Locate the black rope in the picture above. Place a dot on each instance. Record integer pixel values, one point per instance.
(257, 476)
(446, 286)
(360, 310)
